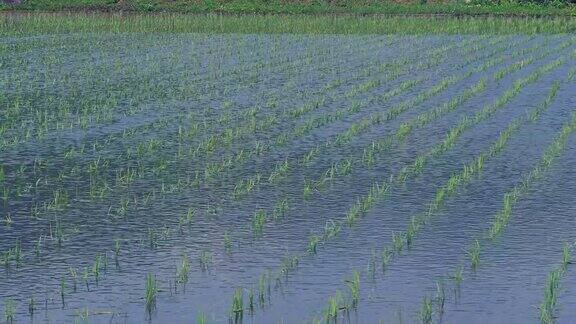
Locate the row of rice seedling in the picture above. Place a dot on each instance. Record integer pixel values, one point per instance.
(381, 146)
(260, 213)
(399, 240)
(124, 177)
(283, 168)
(511, 197)
(344, 167)
(151, 74)
(552, 287)
(380, 191)
(468, 173)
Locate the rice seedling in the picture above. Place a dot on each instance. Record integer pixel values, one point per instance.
(426, 311)
(74, 274)
(335, 304)
(331, 229)
(7, 220)
(474, 255)
(85, 278)
(550, 296)
(397, 242)
(183, 271)
(205, 260)
(97, 267)
(151, 292)
(201, 318)
(280, 209)
(258, 221)
(238, 304)
(9, 310)
(387, 255)
(313, 244)
(308, 189)
(457, 277)
(227, 242)
(354, 288)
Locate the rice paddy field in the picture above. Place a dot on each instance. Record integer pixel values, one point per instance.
(317, 175)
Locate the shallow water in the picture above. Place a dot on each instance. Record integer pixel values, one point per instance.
(120, 126)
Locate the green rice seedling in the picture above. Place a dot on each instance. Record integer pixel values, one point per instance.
(211, 210)
(313, 244)
(263, 287)
(413, 228)
(205, 260)
(354, 288)
(397, 242)
(344, 167)
(201, 318)
(331, 229)
(96, 268)
(183, 271)
(38, 247)
(308, 157)
(368, 156)
(426, 311)
(354, 213)
(280, 209)
(8, 220)
(458, 275)
(474, 255)
(85, 278)
(550, 297)
(308, 189)
(74, 275)
(58, 232)
(9, 310)
(17, 252)
(334, 305)
(238, 303)
(566, 256)
(258, 221)
(227, 242)
(279, 172)
(152, 238)
(151, 292)
(372, 265)
(289, 263)
(387, 255)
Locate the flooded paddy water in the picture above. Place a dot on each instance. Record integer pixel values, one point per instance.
(204, 178)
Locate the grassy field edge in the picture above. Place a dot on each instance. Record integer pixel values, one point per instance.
(283, 7)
